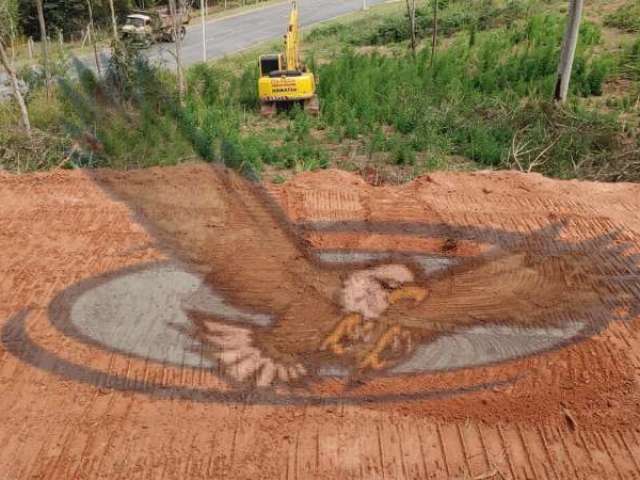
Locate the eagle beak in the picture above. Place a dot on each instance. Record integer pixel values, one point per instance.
(417, 294)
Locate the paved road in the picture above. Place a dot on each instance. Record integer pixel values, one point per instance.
(238, 32)
(230, 35)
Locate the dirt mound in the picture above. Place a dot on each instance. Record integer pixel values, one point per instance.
(458, 325)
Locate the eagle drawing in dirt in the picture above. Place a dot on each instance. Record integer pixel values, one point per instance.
(365, 319)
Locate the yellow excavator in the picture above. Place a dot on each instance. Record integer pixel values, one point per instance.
(284, 79)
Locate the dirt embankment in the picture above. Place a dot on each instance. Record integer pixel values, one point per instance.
(127, 302)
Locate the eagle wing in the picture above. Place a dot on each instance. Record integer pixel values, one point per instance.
(229, 230)
(514, 288)
(233, 233)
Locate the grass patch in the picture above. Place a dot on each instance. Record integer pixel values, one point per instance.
(626, 17)
(455, 16)
(472, 102)
(482, 102)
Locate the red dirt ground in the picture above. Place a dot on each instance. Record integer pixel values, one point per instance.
(73, 409)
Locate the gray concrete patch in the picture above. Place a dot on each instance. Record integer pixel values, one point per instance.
(205, 301)
(483, 345)
(144, 313)
(430, 263)
(337, 371)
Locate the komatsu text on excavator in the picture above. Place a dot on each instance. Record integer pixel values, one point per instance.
(284, 79)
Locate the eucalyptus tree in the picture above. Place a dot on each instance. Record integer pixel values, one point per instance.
(7, 31)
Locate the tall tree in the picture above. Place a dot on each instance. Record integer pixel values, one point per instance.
(568, 53)
(411, 13)
(176, 16)
(204, 30)
(7, 31)
(434, 38)
(9, 16)
(6, 63)
(44, 41)
(92, 30)
(114, 23)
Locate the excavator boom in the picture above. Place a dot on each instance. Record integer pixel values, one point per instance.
(291, 41)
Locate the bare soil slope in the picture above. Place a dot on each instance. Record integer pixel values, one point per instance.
(184, 323)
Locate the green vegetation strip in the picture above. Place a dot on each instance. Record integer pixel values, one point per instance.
(484, 97)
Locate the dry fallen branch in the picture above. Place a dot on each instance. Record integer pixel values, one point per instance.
(537, 162)
(516, 150)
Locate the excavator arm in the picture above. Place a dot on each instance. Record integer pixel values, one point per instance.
(292, 40)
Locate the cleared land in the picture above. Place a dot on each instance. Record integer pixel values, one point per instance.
(141, 312)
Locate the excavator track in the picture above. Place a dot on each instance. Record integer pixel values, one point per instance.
(268, 109)
(312, 106)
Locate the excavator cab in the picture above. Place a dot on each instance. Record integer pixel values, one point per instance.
(270, 63)
(284, 79)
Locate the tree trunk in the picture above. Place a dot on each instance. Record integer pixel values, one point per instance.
(45, 48)
(16, 88)
(569, 45)
(12, 39)
(93, 37)
(434, 39)
(177, 24)
(411, 10)
(114, 24)
(204, 30)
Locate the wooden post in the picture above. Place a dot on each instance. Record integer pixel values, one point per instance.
(61, 42)
(30, 48)
(568, 53)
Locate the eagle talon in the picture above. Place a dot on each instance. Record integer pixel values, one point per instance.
(390, 344)
(349, 325)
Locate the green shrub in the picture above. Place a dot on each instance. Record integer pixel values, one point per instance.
(18, 152)
(630, 61)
